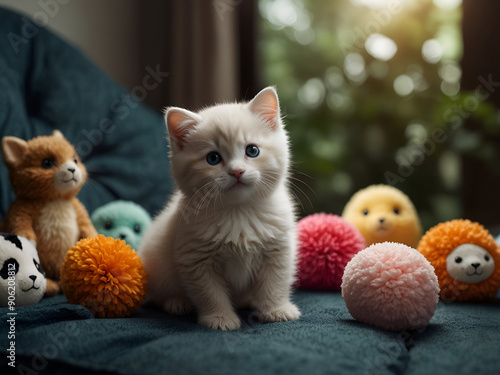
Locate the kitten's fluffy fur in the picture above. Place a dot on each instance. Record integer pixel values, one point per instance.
(227, 237)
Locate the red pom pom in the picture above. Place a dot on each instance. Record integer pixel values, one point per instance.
(326, 244)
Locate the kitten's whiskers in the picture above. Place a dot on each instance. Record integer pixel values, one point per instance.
(189, 206)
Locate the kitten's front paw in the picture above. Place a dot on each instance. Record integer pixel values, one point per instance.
(282, 313)
(178, 306)
(224, 322)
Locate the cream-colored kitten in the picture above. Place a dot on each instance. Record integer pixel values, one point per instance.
(227, 237)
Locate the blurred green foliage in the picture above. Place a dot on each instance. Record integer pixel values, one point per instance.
(388, 116)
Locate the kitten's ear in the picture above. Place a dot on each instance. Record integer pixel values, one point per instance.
(266, 106)
(179, 123)
(13, 149)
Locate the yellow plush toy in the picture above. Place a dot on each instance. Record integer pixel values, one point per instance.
(384, 213)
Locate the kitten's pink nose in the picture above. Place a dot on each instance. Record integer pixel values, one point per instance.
(237, 173)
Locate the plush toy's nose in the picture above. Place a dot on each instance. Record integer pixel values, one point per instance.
(381, 220)
(475, 265)
(32, 277)
(123, 236)
(72, 170)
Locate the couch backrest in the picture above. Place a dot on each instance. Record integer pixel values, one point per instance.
(46, 84)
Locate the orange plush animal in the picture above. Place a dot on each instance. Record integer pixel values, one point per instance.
(466, 260)
(46, 175)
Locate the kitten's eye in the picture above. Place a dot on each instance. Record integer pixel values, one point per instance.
(48, 163)
(108, 225)
(39, 267)
(137, 228)
(252, 151)
(487, 258)
(396, 211)
(365, 212)
(214, 158)
(458, 260)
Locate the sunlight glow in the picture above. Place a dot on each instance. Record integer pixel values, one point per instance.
(447, 4)
(381, 47)
(380, 4)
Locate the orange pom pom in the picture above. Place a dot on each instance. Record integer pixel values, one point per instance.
(104, 275)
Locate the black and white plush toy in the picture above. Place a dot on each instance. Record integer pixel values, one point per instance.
(22, 280)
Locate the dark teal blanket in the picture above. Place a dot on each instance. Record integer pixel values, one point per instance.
(460, 339)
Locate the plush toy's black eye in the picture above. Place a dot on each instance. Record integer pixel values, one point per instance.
(48, 163)
(458, 260)
(487, 258)
(396, 211)
(39, 267)
(137, 228)
(365, 212)
(10, 268)
(76, 161)
(108, 225)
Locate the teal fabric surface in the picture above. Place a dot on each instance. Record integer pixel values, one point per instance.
(460, 339)
(463, 339)
(46, 84)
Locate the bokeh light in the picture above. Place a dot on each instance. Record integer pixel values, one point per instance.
(304, 37)
(334, 78)
(403, 85)
(312, 93)
(432, 51)
(381, 47)
(373, 80)
(354, 68)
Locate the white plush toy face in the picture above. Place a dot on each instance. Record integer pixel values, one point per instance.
(22, 279)
(470, 264)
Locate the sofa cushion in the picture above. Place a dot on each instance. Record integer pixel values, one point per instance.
(47, 84)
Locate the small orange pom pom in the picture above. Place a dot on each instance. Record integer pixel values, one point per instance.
(104, 275)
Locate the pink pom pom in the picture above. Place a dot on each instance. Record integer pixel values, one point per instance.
(391, 286)
(326, 243)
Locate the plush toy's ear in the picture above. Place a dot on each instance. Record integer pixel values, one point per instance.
(13, 150)
(180, 122)
(266, 106)
(57, 133)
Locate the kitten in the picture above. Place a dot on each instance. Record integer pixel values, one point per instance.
(227, 237)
